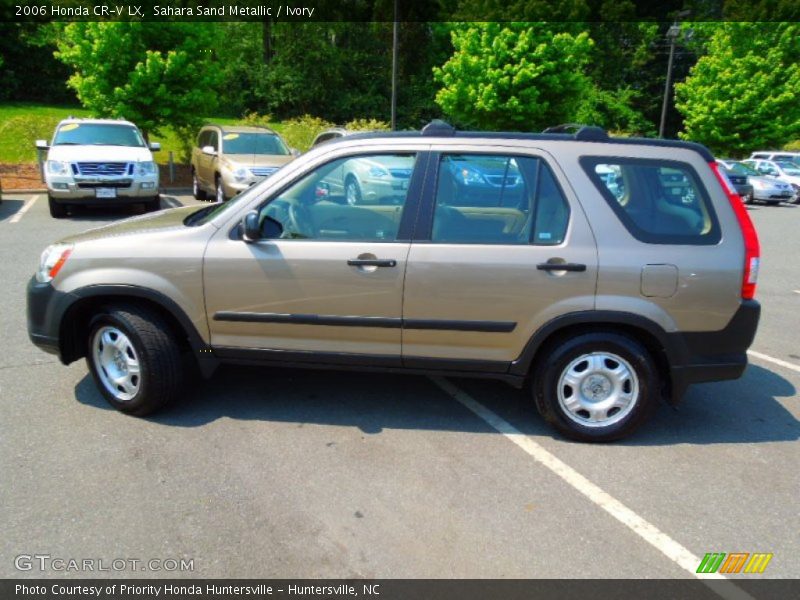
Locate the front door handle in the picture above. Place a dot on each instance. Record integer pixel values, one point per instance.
(548, 266)
(372, 262)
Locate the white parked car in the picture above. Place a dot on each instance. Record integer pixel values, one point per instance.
(776, 155)
(782, 172)
(99, 162)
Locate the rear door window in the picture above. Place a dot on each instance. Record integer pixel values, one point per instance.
(498, 199)
(659, 202)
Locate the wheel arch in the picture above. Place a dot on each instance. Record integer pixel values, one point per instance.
(661, 346)
(87, 301)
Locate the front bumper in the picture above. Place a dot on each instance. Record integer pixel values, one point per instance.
(44, 311)
(698, 357)
(126, 190)
(772, 194)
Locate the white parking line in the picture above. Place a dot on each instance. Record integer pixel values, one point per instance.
(644, 529)
(25, 208)
(776, 361)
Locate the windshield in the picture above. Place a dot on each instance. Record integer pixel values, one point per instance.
(742, 169)
(789, 168)
(97, 134)
(253, 143)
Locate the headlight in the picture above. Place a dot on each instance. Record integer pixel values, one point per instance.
(378, 172)
(145, 168)
(53, 258)
(469, 176)
(57, 167)
(240, 174)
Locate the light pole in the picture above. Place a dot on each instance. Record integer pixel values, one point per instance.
(395, 28)
(673, 33)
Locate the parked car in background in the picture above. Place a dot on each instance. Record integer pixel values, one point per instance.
(229, 159)
(738, 174)
(776, 155)
(600, 303)
(330, 134)
(787, 173)
(99, 162)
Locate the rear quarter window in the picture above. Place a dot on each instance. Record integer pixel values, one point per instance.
(658, 201)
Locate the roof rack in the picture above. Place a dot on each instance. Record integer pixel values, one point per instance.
(585, 133)
(440, 128)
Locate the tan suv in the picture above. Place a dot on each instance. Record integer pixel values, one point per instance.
(512, 256)
(227, 160)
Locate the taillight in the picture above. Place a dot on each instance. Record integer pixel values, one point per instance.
(752, 250)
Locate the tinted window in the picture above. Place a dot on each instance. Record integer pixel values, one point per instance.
(359, 198)
(660, 202)
(498, 199)
(97, 134)
(253, 143)
(742, 169)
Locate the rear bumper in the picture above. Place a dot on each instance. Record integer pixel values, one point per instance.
(699, 357)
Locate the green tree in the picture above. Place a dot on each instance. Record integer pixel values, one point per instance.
(155, 74)
(518, 76)
(743, 93)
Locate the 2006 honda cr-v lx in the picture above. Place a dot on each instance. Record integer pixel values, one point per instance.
(603, 273)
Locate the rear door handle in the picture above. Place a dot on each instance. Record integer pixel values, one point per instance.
(372, 262)
(548, 266)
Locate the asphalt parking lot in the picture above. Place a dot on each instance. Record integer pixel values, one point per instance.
(283, 473)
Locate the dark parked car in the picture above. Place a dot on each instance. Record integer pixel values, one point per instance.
(738, 175)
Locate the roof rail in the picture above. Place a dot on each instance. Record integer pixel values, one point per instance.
(440, 128)
(586, 133)
(563, 128)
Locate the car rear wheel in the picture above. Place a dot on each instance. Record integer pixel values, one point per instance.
(134, 358)
(197, 191)
(596, 387)
(57, 211)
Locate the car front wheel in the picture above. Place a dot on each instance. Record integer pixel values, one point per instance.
(57, 211)
(596, 387)
(220, 190)
(197, 191)
(352, 191)
(134, 358)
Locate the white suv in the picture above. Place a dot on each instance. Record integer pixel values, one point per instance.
(99, 162)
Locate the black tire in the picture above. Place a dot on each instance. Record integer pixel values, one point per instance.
(198, 192)
(57, 210)
(219, 196)
(352, 191)
(749, 199)
(555, 363)
(153, 205)
(155, 347)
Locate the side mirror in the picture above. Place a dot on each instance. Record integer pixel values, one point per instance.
(252, 232)
(42, 144)
(155, 146)
(209, 150)
(294, 152)
(270, 229)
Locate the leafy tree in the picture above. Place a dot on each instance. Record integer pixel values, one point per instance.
(27, 49)
(519, 76)
(743, 93)
(154, 74)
